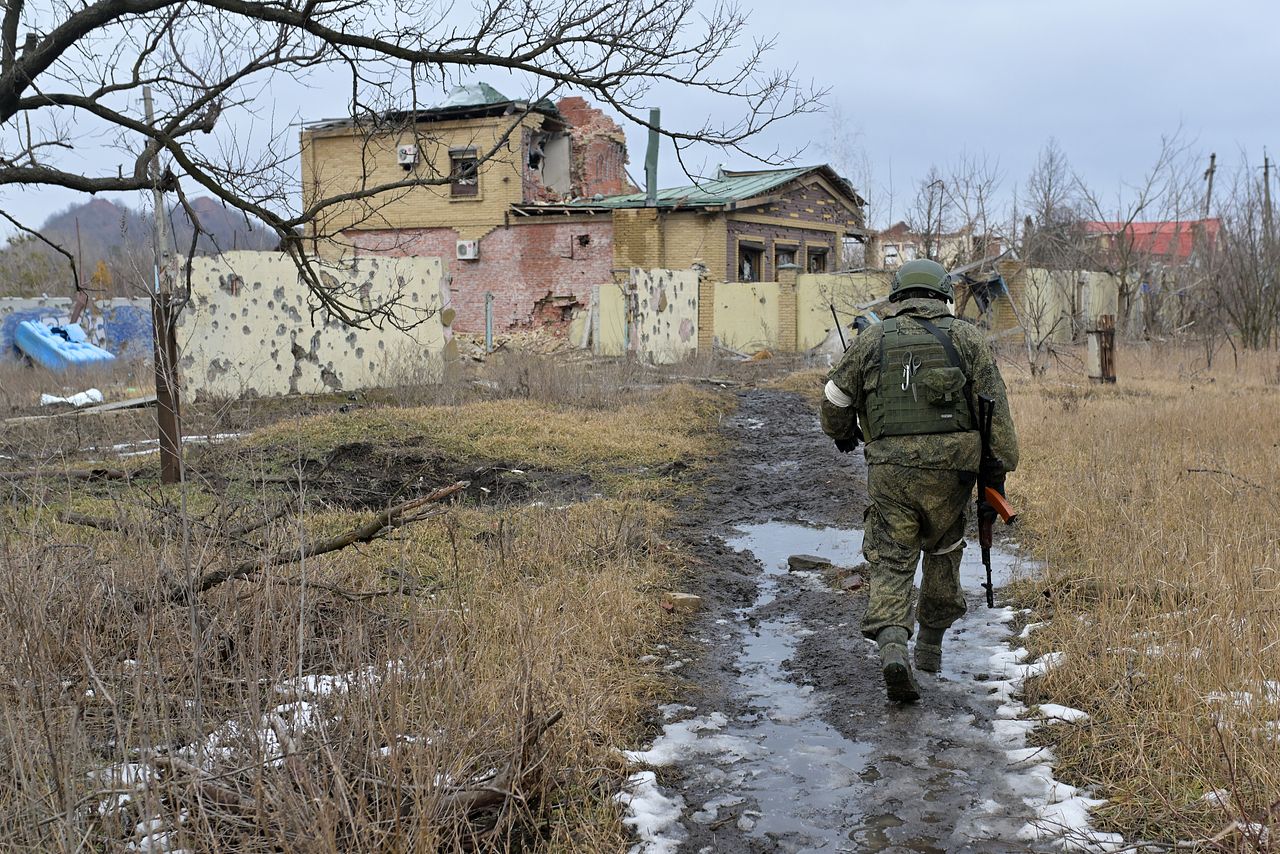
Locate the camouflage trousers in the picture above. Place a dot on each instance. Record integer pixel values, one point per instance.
(914, 510)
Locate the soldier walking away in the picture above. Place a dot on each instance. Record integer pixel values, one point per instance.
(910, 384)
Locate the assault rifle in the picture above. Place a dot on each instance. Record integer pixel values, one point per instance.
(990, 502)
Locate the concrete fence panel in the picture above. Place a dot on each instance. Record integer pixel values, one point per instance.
(252, 328)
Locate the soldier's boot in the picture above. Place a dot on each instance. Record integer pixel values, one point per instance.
(929, 650)
(898, 679)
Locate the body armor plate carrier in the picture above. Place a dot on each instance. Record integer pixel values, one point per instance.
(922, 387)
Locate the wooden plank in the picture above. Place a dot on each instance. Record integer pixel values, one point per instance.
(116, 406)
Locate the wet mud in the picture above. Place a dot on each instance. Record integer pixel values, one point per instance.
(785, 738)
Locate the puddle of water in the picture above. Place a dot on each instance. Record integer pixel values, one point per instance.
(925, 778)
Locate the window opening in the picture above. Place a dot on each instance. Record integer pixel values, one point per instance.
(750, 263)
(463, 173)
(818, 260)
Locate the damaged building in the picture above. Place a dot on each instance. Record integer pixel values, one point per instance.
(531, 206)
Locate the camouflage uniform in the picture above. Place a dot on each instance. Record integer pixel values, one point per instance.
(919, 485)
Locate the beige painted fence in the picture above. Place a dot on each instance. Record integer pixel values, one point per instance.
(252, 328)
(793, 314)
(656, 313)
(653, 315)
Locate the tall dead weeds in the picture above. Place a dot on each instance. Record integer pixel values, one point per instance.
(462, 683)
(1153, 506)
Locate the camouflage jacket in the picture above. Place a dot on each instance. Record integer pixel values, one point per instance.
(858, 373)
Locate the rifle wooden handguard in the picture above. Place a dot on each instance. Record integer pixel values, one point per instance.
(1000, 505)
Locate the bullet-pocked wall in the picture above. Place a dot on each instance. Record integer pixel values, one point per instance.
(666, 319)
(252, 327)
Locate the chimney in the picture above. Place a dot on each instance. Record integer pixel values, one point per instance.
(651, 160)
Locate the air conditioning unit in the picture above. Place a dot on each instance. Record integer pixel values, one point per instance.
(407, 155)
(468, 250)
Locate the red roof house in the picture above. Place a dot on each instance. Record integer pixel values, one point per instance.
(1172, 240)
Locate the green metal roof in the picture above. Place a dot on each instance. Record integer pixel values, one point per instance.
(471, 95)
(716, 192)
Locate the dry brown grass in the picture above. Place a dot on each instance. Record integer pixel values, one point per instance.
(1155, 508)
(477, 626)
(22, 384)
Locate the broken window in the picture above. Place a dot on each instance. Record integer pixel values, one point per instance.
(784, 255)
(750, 262)
(818, 260)
(464, 177)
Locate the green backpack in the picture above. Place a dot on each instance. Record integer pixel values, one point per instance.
(922, 388)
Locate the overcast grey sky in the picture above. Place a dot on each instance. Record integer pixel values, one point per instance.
(918, 81)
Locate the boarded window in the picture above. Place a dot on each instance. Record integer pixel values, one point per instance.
(463, 173)
(750, 262)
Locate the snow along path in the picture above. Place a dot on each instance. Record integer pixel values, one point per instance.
(787, 742)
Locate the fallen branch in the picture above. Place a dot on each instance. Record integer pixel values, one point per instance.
(501, 786)
(718, 381)
(250, 527)
(209, 789)
(71, 517)
(1245, 481)
(382, 524)
(51, 474)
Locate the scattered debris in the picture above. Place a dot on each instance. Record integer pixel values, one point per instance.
(850, 583)
(59, 348)
(78, 400)
(682, 602)
(808, 563)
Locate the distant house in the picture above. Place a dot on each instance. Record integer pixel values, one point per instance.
(739, 226)
(1170, 241)
(537, 207)
(898, 244)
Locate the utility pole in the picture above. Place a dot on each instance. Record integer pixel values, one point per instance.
(1266, 196)
(1208, 193)
(164, 336)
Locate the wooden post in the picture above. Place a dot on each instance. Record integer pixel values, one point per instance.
(1102, 350)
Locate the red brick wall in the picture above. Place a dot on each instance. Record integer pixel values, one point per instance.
(519, 264)
(599, 150)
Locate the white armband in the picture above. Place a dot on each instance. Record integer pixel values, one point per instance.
(836, 396)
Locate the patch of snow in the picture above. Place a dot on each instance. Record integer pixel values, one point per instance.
(711, 809)
(1066, 714)
(1026, 757)
(653, 815)
(674, 710)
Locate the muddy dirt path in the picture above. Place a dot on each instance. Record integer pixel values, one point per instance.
(785, 741)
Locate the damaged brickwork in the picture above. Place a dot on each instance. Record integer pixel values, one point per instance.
(552, 261)
(599, 153)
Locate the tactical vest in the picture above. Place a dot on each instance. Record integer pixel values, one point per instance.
(922, 388)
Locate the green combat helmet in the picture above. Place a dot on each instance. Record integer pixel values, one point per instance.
(922, 275)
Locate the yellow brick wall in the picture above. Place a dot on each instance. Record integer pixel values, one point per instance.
(647, 238)
(637, 238)
(691, 238)
(787, 311)
(343, 160)
(706, 313)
